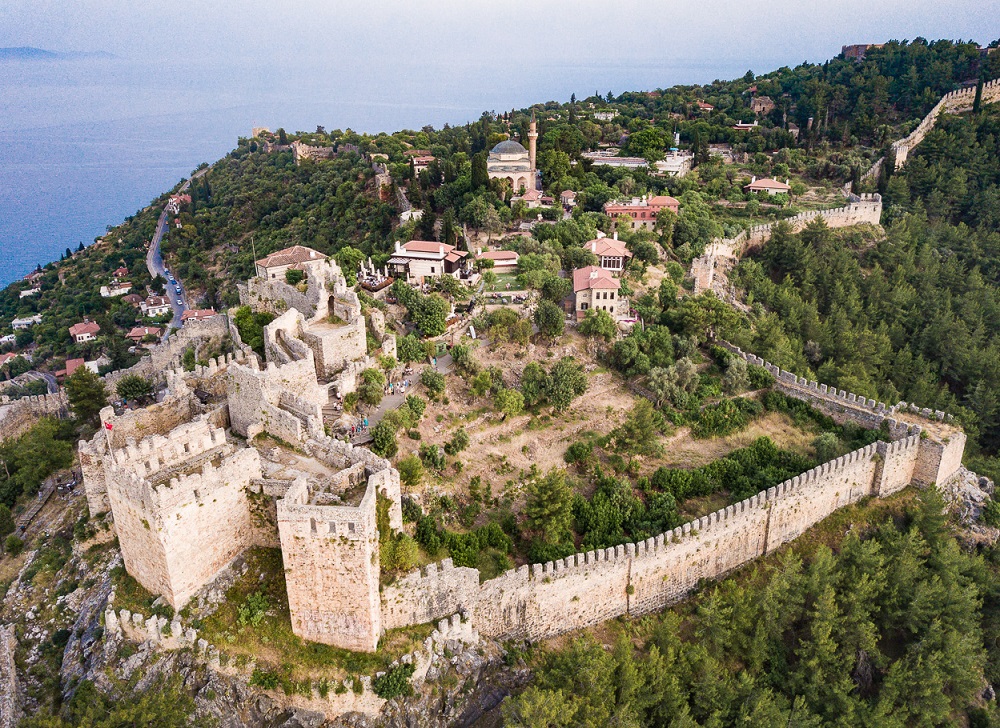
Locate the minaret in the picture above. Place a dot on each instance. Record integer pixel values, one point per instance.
(532, 138)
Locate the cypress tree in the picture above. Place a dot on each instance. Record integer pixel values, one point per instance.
(978, 102)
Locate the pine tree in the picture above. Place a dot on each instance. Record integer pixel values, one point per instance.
(978, 102)
(549, 508)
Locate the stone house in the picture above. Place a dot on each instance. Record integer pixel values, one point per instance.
(275, 264)
(596, 288)
(642, 211)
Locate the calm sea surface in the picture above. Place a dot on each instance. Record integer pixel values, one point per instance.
(85, 143)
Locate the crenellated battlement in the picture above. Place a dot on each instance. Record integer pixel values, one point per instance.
(842, 405)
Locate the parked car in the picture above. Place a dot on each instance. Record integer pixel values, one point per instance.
(178, 290)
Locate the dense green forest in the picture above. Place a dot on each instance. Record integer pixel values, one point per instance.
(911, 316)
(893, 626)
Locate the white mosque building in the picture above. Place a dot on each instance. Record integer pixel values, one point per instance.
(509, 160)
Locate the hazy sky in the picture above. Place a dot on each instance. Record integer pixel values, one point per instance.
(345, 34)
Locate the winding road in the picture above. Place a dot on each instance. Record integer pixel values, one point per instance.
(154, 260)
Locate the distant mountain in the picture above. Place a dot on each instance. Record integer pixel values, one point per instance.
(27, 53)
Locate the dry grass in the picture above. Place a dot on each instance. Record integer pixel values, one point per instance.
(684, 451)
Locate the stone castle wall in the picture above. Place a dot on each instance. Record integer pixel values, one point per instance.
(167, 355)
(859, 209)
(543, 600)
(18, 415)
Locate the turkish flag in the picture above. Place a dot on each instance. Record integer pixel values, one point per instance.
(107, 425)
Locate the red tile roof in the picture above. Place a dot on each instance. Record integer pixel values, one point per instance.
(426, 246)
(593, 277)
(498, 255)
(767, 184)
(607, 246)
(197, 314)
(289, 256)
(664, 201)
(141, 331)
(84, 327)
(72, 365)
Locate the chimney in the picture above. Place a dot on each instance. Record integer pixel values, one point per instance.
(593, 273)
(441, 249)
(600, 234)
(616, 235)
(752, 180)
(397, 246)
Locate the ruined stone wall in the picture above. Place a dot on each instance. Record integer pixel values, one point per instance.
(285, 401)
(429, 594)
(211, 334)
(840, 405)
(381, 474)
(938, 460)
(18, 415)
(331, 557)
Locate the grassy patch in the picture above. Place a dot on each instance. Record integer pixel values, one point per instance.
(278, 651)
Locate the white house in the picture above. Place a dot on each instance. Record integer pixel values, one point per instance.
(504, 261)
(419, 259)
(30, 292)
(85, 331)
(155, 306)
(26, 322)
(116, 289)
(612, 255)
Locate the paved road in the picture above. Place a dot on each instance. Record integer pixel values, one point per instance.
(154, 261)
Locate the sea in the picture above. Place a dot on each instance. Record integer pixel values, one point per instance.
(85, 143)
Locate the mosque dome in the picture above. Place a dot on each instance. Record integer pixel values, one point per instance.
(508, 146)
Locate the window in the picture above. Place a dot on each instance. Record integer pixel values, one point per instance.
(432, 269)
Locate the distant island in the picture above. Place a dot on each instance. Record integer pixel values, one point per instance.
(27, 53)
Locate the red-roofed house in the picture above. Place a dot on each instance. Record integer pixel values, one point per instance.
(197, 314)
(275, 265)
(568, 198)
(422, 162)
(121, 272)
(84, 331)
(705, 108)
(71, 366)
(504, 261)
(770, 186)
(642, 211)
(155, 306)
(139, 333)
(419, 259)
(596, 288)
(611, 253)
(4, 358)
(531, 198)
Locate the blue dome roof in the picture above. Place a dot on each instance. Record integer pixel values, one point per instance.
(508, 146)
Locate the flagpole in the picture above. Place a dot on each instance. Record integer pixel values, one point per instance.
(107, 436)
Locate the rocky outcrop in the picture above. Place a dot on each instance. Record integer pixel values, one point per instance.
(967, 494)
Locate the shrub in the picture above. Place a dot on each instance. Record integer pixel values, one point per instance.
(395, 682)
(458, 442)
(294, 276)
(253, 610)
(13, 545)
(264, 679)
(411, 470)
(725, 418)
(384, 440)
(432, 456)
(434, 381)
(579, 453)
